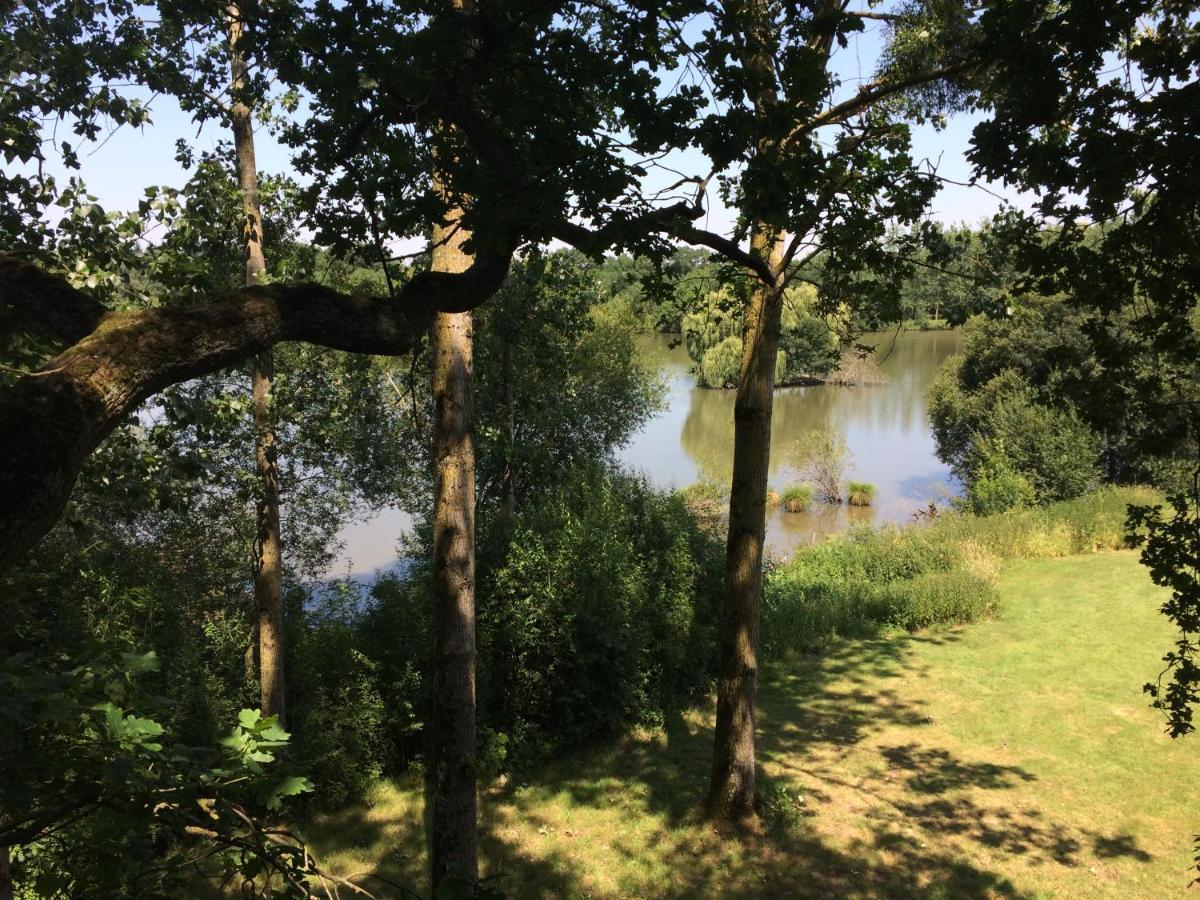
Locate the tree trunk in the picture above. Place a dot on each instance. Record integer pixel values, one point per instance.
(268, 555)
(6, 882)
(268, 576)
(453, 837)
(509, 504)
(731, 791)
(53, 418)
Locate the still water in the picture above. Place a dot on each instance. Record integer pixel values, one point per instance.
(885, 427)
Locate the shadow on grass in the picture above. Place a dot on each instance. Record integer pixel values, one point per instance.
(623, 820)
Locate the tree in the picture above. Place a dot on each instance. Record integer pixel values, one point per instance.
(1019, 390)
(809, 177)
(488, 170)
(808, 347)
(268, 562)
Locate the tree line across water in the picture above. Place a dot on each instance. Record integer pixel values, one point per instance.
(198, 394)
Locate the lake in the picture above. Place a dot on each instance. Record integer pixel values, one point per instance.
(885, 427)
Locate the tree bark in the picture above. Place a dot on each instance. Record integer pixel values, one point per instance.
(268, 547)
(509, 503)
(55, 416)
(731, 790)
(732, 785)
(454, 845)
(7, 888)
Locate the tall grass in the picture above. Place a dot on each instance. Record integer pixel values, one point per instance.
(859, 493)
(875, 579)
(797, 498)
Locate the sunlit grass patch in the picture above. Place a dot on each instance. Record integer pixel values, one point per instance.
(1014, 757)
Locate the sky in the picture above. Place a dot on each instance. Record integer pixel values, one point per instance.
(118, 168)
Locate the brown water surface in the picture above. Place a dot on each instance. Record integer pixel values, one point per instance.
(885, 427)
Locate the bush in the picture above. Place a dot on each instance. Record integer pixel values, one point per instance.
(601, 615)
(797, 498)
(1054, 453)
(337, 708)
(995, 485)
(860, 493)
(871, 580)
(822, 457)
(597, 607)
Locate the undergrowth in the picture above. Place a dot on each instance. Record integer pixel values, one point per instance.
(875, 579)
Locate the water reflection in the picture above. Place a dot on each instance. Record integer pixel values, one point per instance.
(886, 429)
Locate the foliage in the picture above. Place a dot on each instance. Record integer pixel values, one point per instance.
(1171, 551)
(956, 272)
(596, 608)
(89, 762)
(712, 329)
(918, 576)
(558, 383)
(796, 498)
(822, 457)
(995, 485)
(721, 363)
(1010, 392)
(655, 293)
(859, 493)
(335, 699)
(601, 614)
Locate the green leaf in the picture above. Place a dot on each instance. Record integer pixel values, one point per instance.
(286, 787)
(137, 663)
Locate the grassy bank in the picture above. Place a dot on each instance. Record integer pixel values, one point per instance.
(872, 580)
(1014, 757)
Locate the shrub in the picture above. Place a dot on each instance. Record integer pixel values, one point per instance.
(995, 485)
(874, 579)
(337, 707)
(773, 499)
(822, 458)
(860, 493)
(597, 606)
(1053, 451)
(797, 498)
(600, 615)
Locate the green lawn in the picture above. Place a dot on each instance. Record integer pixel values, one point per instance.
(1010, 758)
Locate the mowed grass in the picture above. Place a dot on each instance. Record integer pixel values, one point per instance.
(1014, 757)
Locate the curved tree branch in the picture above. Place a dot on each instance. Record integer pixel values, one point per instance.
(67, 313)
(674, 221)
(53, 418)
(872, 93)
